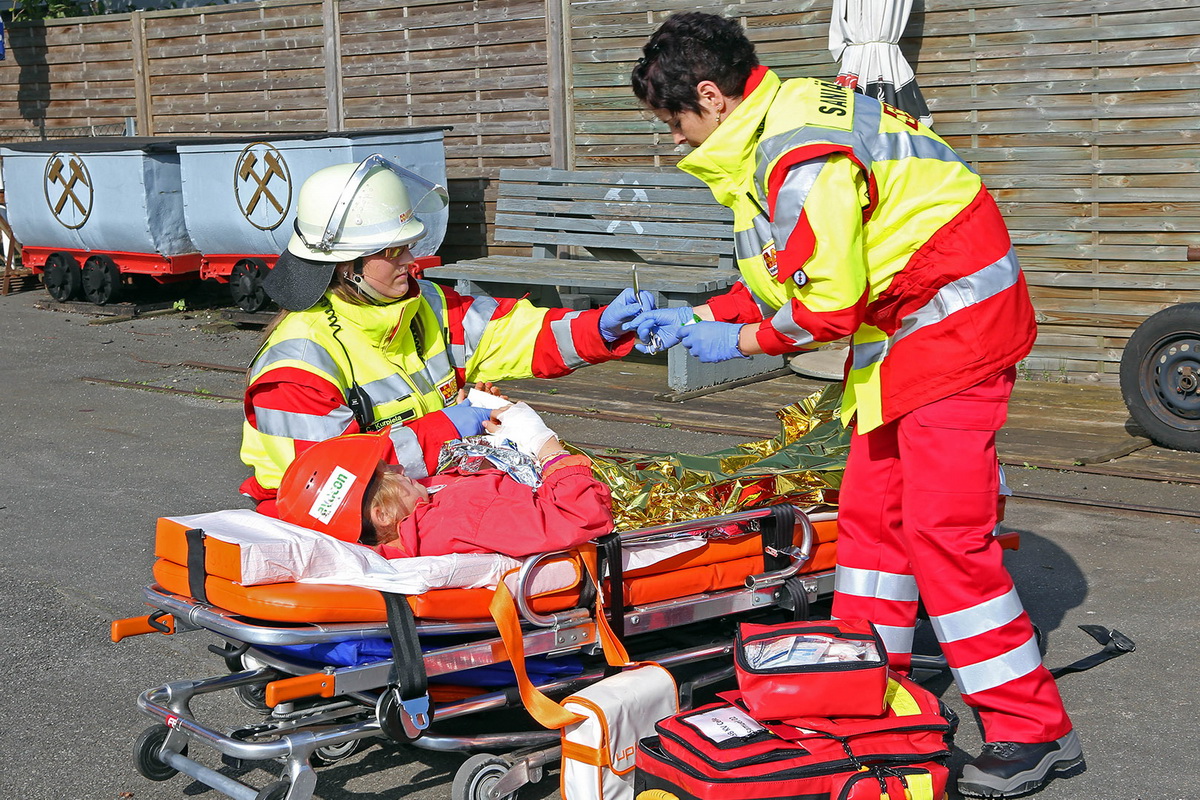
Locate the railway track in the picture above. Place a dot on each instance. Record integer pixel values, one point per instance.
(547, 405)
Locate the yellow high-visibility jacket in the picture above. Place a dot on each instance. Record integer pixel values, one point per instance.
(853, 219)
(410, 357)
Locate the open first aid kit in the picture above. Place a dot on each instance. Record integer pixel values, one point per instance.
(811, 669)
(721, 751)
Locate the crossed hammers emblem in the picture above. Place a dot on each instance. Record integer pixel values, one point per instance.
(78, 175)
(248, 172)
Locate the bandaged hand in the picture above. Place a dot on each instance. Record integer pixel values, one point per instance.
(486, 396)
(521, 425)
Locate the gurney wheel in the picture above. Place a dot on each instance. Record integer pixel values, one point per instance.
(389, 711)
(476, 777)
(254, 697)
(273, 791)
(332, 754)
(145, 754)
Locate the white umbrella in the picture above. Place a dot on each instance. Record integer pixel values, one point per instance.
(865, 36)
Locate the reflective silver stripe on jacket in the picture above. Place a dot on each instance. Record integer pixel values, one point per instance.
(387, 390)
(439, 367)
(433, 297)
(980, 618)
(561, 330)
(865, 140)
(897, 639)
(436, 371)
(875, 583)
(791, 198)
(408, 451)
(305, 427)
(750, 242)
(303, 350)
(475, 322)
(786, 325)
(954, 296)
(997, 671)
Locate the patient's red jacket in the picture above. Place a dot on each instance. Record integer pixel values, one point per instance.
(489, 512)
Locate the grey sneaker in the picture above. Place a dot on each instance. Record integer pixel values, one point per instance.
(1011, 769)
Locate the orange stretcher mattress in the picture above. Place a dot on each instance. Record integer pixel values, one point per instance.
(719, 564)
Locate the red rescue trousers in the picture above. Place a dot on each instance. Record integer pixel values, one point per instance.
(919, 504)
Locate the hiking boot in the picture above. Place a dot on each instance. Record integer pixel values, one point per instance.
(1011, 769)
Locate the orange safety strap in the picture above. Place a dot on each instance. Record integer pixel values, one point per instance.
(584, 754)
(548, 713)
(545, 711)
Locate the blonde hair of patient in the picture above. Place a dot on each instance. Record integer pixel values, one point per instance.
(387, 506)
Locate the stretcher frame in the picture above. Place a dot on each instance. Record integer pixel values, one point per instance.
(354, 700)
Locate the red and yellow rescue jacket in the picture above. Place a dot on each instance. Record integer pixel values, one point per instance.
(852, 219)
(411, 357)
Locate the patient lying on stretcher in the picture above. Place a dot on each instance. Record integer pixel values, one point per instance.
(344, 488)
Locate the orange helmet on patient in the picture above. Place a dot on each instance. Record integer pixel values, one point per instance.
(323, 489)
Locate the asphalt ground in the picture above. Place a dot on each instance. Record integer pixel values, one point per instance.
(87, 467)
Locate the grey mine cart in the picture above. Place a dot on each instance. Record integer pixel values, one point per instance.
(587, 229)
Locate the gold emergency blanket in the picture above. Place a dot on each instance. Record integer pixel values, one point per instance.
(800, 465)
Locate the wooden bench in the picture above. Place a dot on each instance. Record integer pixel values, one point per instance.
(587, 229)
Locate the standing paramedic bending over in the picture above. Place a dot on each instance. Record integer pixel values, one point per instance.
(363, 345)
(851, 219)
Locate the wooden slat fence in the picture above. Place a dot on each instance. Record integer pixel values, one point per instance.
(1079, 114)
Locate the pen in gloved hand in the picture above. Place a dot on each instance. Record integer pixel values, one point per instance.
(655, 344)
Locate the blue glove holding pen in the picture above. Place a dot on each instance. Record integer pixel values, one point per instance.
(659, 329)
(624, 308)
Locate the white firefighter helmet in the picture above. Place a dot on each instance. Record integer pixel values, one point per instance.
(351, 210)
(345, 212)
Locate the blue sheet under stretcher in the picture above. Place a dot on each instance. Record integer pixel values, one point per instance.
(352, 653)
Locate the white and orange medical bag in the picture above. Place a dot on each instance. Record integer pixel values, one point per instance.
(599, 751)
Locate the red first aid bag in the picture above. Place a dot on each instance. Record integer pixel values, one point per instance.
(720, 752)
(827, 668)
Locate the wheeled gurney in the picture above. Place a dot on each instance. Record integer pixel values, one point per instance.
(748, 563)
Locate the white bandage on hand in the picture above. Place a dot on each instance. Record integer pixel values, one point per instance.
(521, 425)
(485, 400)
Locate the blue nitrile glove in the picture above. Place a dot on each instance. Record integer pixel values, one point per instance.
(659, 329)
(468, 419)
(622, 310)
(712, 341)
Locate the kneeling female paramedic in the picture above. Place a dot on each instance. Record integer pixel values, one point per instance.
(852, 219)
(362, 345)
(344, 487)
